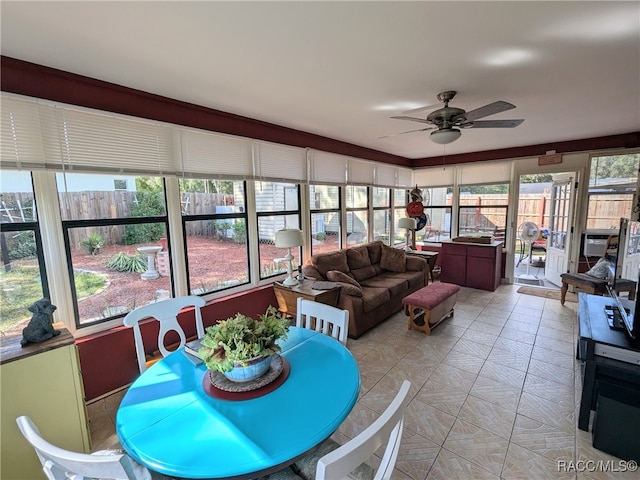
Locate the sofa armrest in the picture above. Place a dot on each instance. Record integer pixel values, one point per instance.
(415, 263)
(310, 271)
(418, 264)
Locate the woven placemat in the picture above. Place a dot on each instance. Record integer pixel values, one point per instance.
(218, 379)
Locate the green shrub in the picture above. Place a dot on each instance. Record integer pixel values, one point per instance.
(149, 204)
(239, 232)
(123, 262)
(321, 236)
(92, 243)
(22, 246)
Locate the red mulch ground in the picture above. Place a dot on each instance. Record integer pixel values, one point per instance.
(209, 262)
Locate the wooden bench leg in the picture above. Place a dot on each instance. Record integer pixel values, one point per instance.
(563, 292)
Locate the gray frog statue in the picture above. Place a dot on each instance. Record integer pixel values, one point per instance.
(40, 327)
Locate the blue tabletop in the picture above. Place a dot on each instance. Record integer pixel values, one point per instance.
(167, 421)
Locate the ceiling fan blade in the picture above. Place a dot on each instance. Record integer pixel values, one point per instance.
(410, 131)
(490, 109)
(494, 124)
(420, 109)
(413, 119)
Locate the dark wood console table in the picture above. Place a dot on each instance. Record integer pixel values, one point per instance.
(609, 356)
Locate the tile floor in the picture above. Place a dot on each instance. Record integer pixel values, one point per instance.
(495, 393)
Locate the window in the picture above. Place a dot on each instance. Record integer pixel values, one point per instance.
(400, 199)
(437, 212)
(23, 278)
(215, 229)
(483, 208)
(357, 215)
(277, 207)
(381, 214)
(324, 202)
(612, 186)
(119, 184)
(116, 244)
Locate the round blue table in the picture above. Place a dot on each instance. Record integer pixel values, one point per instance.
(167, 421)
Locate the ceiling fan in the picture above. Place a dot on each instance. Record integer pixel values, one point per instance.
(445, 120)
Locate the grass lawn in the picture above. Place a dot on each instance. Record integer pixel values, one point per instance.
(20, 287)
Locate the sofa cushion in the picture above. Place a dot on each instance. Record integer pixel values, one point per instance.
(395, 283)
(366, 272)
(338, 276)
(375, 251)
(358, 257)
(373, 297)
(331, 261)
(414, 279)
(393, 259)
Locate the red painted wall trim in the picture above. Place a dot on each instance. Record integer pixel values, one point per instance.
(108, 359)
(38, 81)
(34, 80)
(612, 142)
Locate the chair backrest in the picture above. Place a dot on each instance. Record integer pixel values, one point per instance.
(166, 312)
(386, 429)
(60, 464)
(323, 318)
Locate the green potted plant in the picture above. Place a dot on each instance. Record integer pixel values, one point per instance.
(241, 347)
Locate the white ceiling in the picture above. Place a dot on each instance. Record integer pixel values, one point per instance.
(341, 69)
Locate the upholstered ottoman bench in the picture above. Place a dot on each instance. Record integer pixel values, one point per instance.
(430, 305)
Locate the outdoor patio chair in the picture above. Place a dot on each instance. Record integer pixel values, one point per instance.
(323, 318)
(166, 312)
(61, 464)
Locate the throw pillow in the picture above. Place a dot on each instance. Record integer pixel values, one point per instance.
(338, 276)
(393, 259)
(349, 289)
(600, 269)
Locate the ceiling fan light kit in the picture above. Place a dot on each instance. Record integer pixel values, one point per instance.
(445, 135)
(445, 120)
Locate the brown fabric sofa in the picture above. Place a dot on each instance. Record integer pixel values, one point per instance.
(374, 278)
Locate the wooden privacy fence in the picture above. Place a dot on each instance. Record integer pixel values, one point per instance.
(98, 205)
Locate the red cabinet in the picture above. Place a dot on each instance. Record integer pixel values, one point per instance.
(471, 265)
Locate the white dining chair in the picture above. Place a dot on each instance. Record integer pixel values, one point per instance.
(166, 312)
(330, 461)
(323, 318)
(60, 464)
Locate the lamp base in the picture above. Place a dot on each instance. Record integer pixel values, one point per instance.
(290, 281)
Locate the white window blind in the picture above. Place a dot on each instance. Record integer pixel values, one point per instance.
(361, 172)
(205, 154)
(485, 172)
(434, 176)
(386, 176)
(41, 134)
(328, 168)
(280, 162)
(405, 178)
(96, 142)
(28, 131)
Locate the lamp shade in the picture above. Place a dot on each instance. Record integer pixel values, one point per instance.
(289, 237)
(445, 135)
(407, 222)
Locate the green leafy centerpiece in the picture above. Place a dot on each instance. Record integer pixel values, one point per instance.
(241, 347)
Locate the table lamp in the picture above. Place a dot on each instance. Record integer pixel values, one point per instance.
(408, 224)
(287, 238)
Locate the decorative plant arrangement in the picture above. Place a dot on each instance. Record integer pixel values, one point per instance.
(241, 341)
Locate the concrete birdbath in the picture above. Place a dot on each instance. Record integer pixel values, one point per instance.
(150, 252)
